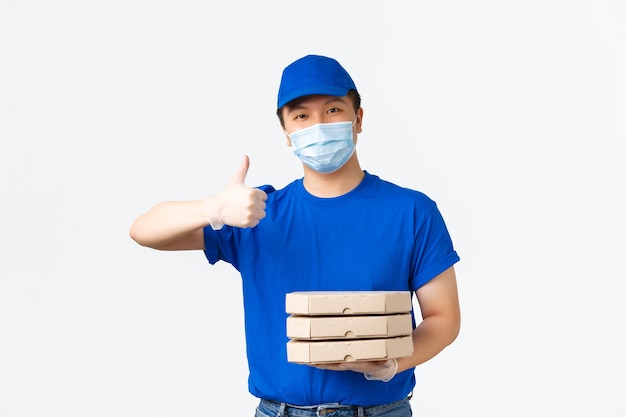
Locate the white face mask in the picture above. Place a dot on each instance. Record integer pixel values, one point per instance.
(324, 147)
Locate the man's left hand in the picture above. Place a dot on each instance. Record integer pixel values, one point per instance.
(372, 370)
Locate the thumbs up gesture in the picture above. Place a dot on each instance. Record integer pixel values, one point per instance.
(238, 205)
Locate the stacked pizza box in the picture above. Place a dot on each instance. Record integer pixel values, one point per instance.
(338, 326)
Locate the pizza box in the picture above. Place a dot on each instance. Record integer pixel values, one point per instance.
(347, 302)
(329, 351)
(349, 327)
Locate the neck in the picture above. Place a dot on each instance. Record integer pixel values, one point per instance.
(337, 183)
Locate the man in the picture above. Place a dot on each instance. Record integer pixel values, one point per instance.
(337, 228)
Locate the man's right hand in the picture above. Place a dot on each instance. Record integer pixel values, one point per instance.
(238, 205)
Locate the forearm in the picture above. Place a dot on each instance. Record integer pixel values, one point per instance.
(430, 337)
(168, 222)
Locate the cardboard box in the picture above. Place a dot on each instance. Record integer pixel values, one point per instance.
(347, 302)
(348, 327)
(328, 351)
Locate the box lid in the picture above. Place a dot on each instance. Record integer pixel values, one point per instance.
(349, 327)
(347, 302)
(299, 351)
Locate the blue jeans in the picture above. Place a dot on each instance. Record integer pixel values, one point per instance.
(268, 408)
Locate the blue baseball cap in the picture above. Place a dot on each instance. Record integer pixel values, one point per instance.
(313, 74)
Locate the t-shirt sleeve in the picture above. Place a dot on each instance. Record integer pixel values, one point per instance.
(434, 249)
(210, 245)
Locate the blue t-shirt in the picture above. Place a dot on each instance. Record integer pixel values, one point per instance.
(377, 237)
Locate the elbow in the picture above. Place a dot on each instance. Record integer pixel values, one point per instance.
(449, 329)
(455, 331)
(134, 235)
(146, 236)
(137, 235)
(454, 328)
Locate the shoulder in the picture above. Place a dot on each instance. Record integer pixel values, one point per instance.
(275, 193)
(267, 188)
(388, 189)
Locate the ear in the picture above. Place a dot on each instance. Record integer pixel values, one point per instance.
(287, 138)
(359, 120)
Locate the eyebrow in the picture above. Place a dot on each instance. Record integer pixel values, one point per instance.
(333, 99)
(298, 105)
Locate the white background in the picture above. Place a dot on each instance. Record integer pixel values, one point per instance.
(510, 114)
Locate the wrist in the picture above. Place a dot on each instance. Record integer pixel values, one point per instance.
(212, 212)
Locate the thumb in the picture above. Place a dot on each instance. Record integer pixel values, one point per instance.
(240, 176)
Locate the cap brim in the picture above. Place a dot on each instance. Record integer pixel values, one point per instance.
(330, 90)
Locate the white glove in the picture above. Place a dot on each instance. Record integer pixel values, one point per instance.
(372, 370)
(238, 205)
(385, 372)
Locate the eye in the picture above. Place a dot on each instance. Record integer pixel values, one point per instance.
(301, 116)
(333, 110)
